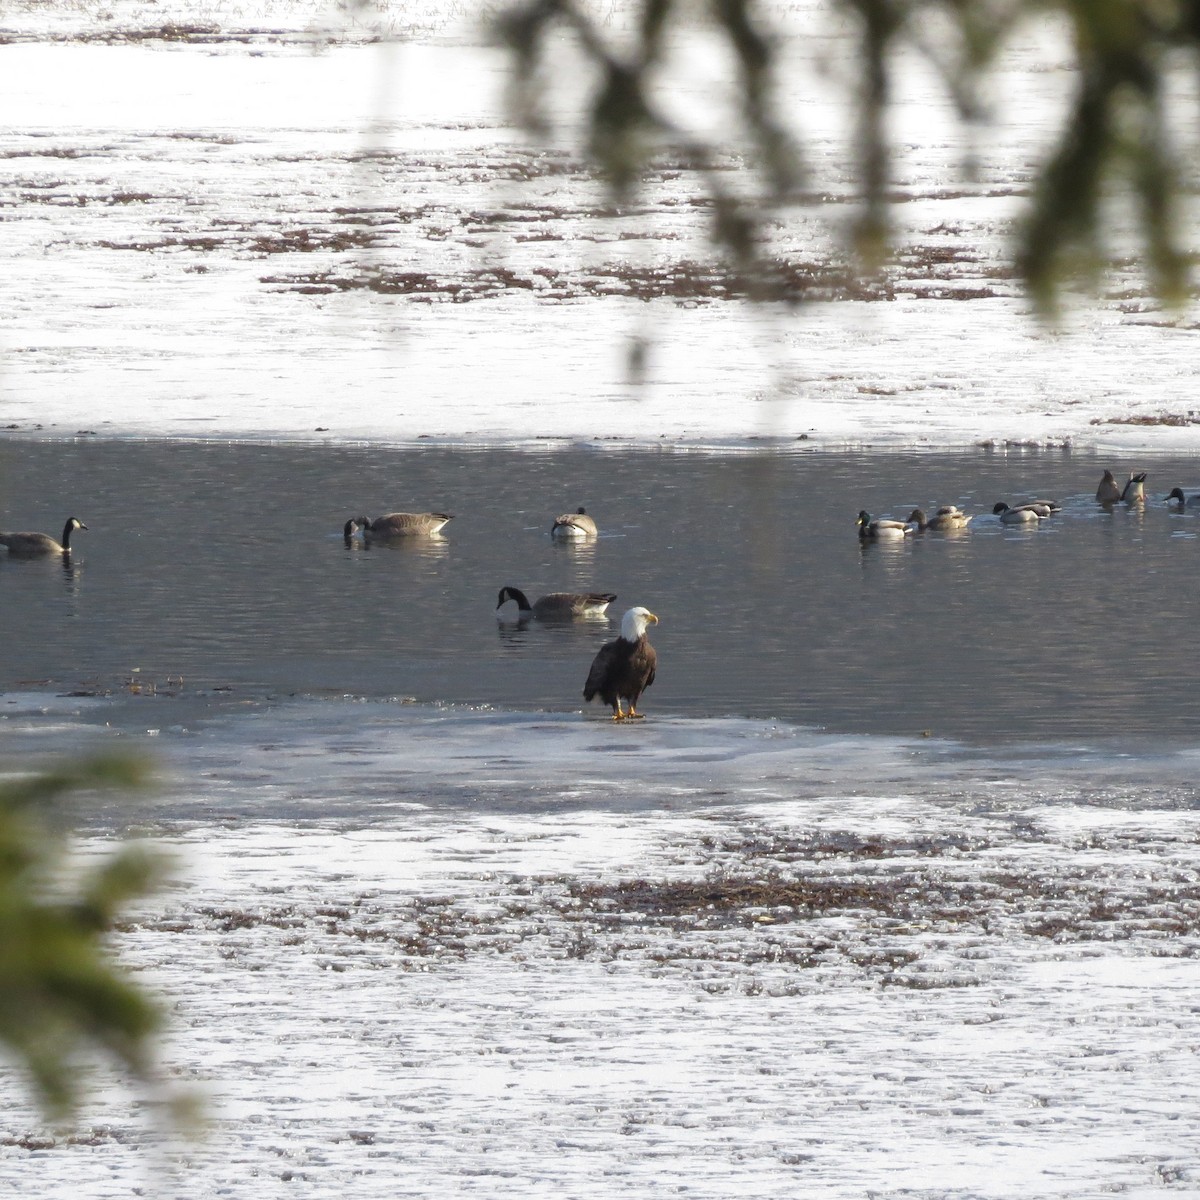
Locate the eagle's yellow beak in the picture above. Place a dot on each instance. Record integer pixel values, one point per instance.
(652, 618)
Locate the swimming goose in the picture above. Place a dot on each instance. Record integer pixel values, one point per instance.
(1019, 515)
(399, 525)
(1176, 496)
(38, 545)
(946, 519)
(882, 529)
(574, 525)
(557, 605)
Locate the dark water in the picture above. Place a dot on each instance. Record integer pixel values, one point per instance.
(225, 565)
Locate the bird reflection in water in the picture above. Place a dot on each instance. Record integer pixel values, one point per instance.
(429, 545)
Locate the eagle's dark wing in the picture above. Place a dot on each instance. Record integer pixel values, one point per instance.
(650, 659)
(602, 669)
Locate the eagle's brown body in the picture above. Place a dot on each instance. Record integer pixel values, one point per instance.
(623, 669)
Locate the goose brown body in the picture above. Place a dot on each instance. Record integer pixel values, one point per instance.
(557, 605)
(574, 525)
(39, 545)
(399, 524)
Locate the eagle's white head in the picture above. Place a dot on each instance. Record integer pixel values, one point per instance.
(634, 622)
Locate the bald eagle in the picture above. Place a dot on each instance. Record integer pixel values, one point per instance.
(573, 525)
(624, 669)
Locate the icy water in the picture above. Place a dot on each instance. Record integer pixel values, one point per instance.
(224, 566)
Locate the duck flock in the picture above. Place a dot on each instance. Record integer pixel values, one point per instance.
(623, 668)
(951, 519)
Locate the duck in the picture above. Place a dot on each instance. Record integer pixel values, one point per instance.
(1021, 515)
(1109, 491)
(881, 529)
(1134, 491)
(946, 519)
(398, 525)
(1176, 496)
(39, 545)
(574, 525)
(557, 605)
(1041, 508)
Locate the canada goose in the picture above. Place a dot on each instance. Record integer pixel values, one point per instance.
(623, 669)
(1134, 491)
(1108, 492)
(1039, 508)
(38, 545)
(557, 605)
(1176, 496)
(883, 529)
(1017, 516)
(945, 520)
(573, 525)
(398, 525)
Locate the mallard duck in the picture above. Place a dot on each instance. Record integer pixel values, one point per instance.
(1134, 491)
(882, 529)
(39, 545)
(1021, 515)
(1109, 491)
(945, 520)
(398, 525)
(1176, 496)
(557, 605)
(1038, 507)
(574, 525)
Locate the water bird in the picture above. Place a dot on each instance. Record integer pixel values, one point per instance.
(1042, 508)
(1135, 490)
(947, 519)
(1176, 496)
(400, 524)
(1110, 492)
(557, 605)
(1021, 515)
(624, 668)
(882, 529)
(39, 545)
(574, 525)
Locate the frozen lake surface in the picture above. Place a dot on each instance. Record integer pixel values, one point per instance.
(419, 950)
(894, 892)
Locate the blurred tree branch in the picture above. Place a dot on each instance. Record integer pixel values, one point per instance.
(60, 994)
(1114, 138)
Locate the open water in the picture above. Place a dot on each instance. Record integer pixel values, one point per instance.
(224, 567)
